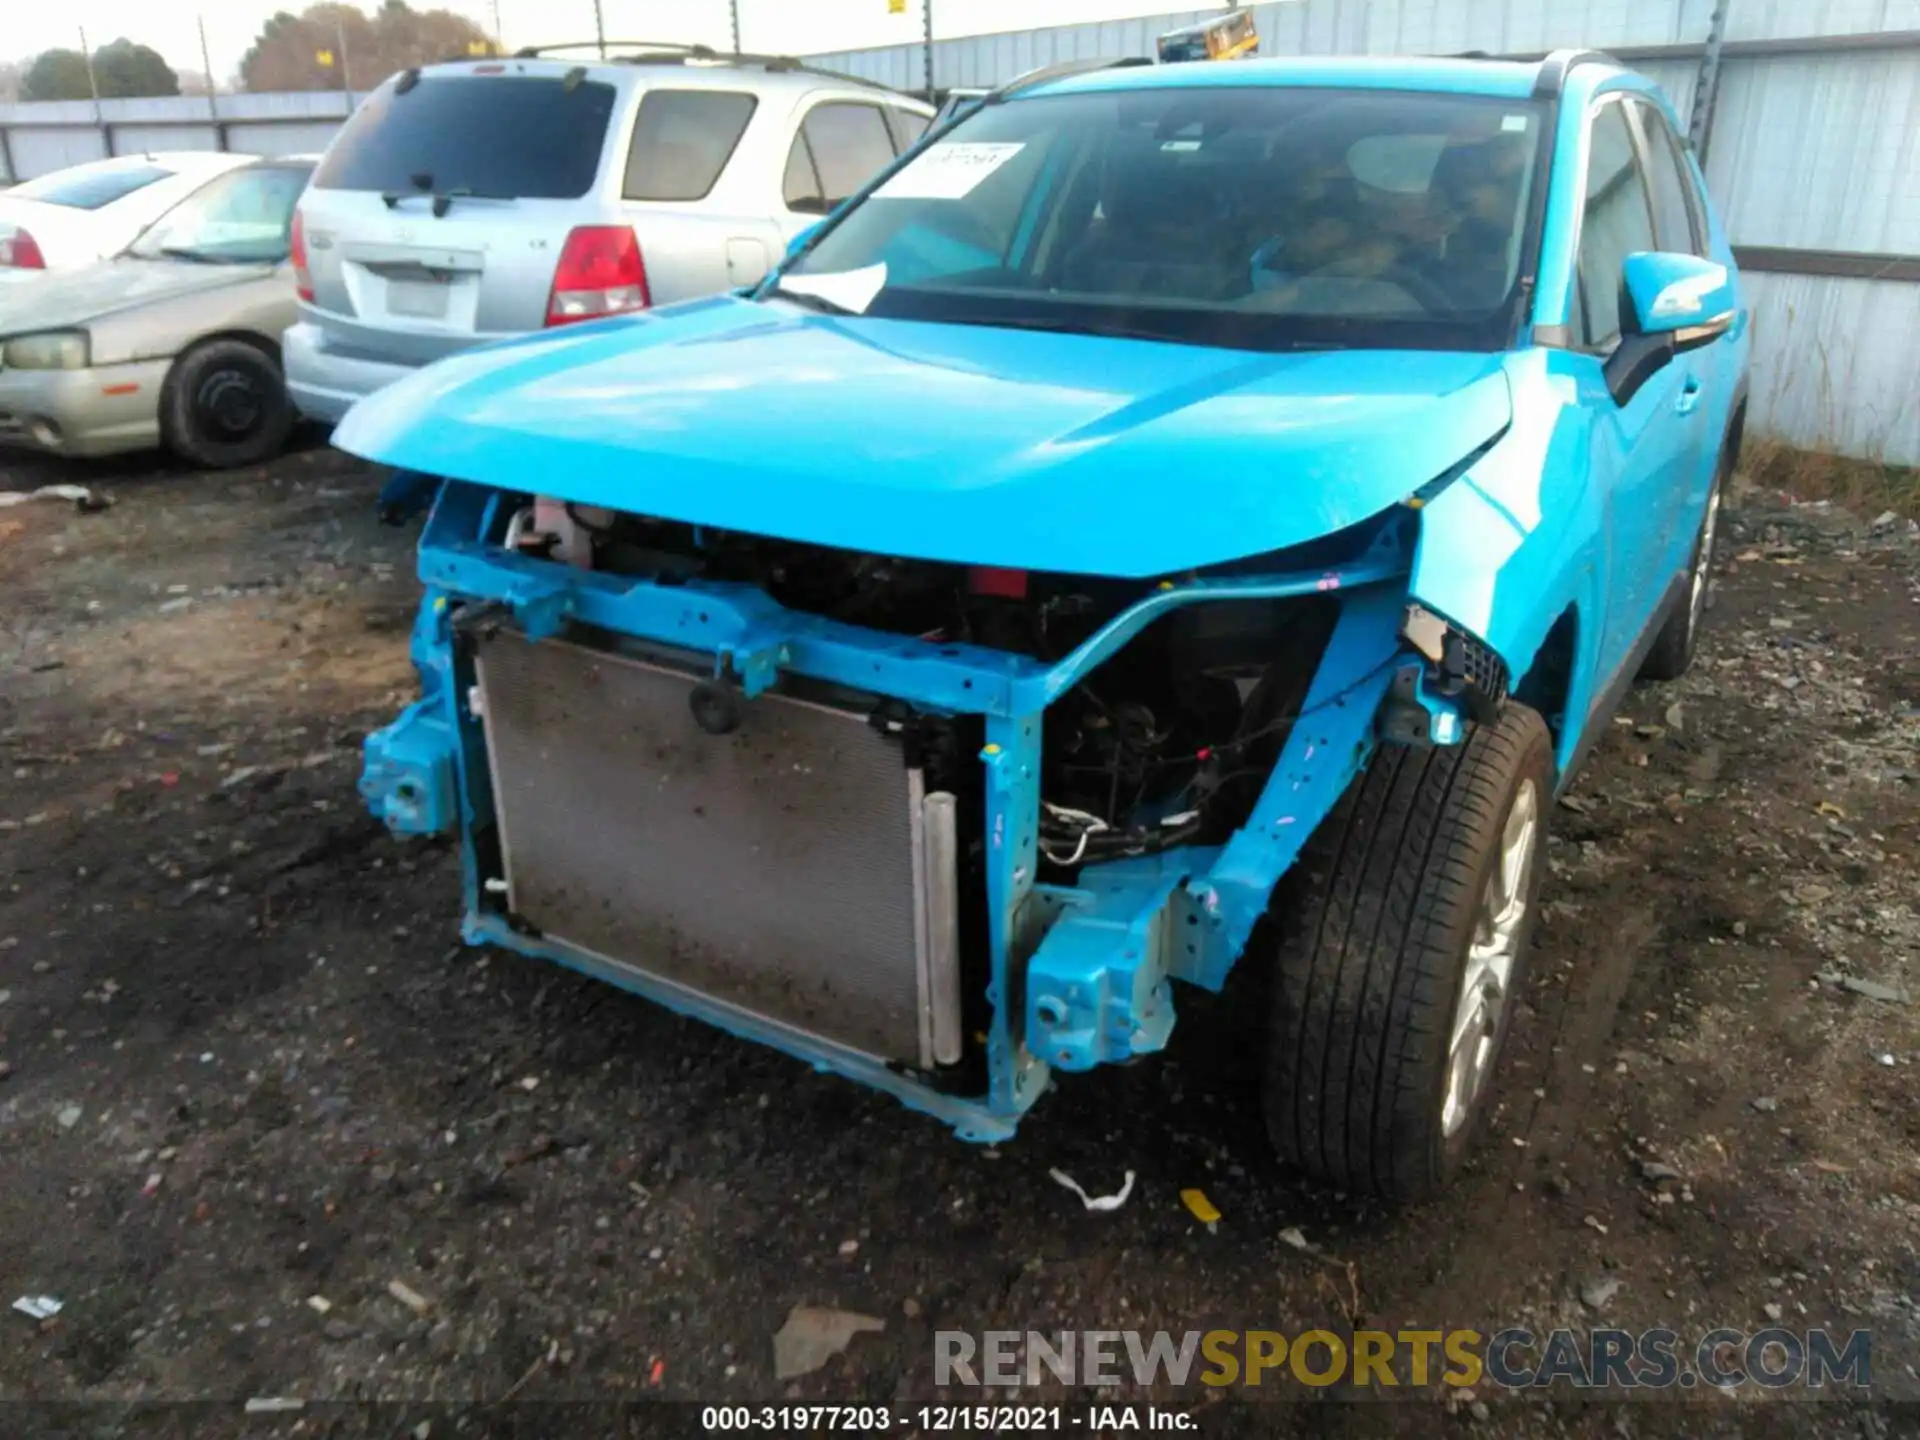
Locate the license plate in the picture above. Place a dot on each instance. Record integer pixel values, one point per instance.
(424, 299)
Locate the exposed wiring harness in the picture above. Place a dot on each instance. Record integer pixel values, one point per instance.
(1069, 836)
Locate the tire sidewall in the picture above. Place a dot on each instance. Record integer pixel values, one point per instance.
(182, 429)
(1448, 1152)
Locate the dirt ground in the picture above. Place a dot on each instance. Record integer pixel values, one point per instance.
(247, 1063)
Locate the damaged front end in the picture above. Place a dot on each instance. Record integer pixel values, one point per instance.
(937, 828)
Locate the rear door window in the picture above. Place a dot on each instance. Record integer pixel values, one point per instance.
(682, 140)
(849, 143)
(801, 187)
(92, 189)
(502, 137)
(907, 127)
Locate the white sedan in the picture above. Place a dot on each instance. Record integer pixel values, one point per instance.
(85, 213)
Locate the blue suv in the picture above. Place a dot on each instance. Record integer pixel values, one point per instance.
(1174, 516)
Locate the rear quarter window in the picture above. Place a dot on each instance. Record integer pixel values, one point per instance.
(682, 140)
(90, 191)
(512, 137)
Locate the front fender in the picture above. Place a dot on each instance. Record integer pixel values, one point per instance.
(1512, 544)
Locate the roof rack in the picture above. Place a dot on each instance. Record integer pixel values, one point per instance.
(534, 52)
(1561, 63)
(662, 52)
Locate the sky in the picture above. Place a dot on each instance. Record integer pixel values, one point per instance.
(772, 26)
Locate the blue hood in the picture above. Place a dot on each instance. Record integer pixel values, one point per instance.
(942, 442)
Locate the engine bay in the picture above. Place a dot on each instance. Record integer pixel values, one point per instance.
(1167, 743)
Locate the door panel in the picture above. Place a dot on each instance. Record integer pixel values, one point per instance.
(1654, 436)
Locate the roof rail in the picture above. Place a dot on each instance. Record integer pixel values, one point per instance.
(534, 52)
(661, 52)
(1062, 71)
(1554, 70)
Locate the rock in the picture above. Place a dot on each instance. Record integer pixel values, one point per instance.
(1765, 1104)
(1654, 1171)
(910, 1308)
(409, 1297)
(813, 1335)
(340, 1330)
(69, 1116)
(1598, 1294)
(1772, 1311)
(1478, 1409)
(1885, 520)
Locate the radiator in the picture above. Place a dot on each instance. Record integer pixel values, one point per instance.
(792, 867)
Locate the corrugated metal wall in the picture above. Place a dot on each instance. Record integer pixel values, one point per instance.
(1810, 151)
(55, 134)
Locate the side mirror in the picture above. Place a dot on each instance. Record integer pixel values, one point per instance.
(799, 242)
(1673, 303)
(1679, 295)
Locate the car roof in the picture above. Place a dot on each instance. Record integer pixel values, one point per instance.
(763, 74)
(1509, 79)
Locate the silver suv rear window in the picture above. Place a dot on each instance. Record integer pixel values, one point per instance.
(682, 140)
(508, 137)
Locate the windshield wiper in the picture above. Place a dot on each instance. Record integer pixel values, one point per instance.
(197, 257)
(1068, 327)
(814, 302)
(442, 199)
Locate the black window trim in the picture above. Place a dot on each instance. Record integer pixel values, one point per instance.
(1576, 336)
(633, 130)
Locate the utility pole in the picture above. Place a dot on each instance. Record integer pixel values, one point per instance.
(340, 36)
(599, 29)
(93, 87)
(734, 7)
(499, 42)
(213, 106)
(926, 10)
(1706, 84)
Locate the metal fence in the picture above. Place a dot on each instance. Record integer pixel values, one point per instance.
(1806, 112)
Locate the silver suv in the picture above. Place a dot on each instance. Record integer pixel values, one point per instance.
(479, 199)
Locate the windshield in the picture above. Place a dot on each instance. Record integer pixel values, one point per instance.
(1257, 217)
(241, 218)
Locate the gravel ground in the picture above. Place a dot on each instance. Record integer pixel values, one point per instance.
(251, 1080)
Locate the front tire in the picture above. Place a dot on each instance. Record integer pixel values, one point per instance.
(1400, 956)
(225, 405)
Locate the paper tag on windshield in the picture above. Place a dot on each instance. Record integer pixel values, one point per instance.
(948, 172)
(849, 289)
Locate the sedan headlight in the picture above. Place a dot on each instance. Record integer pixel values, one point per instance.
(54, 350)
